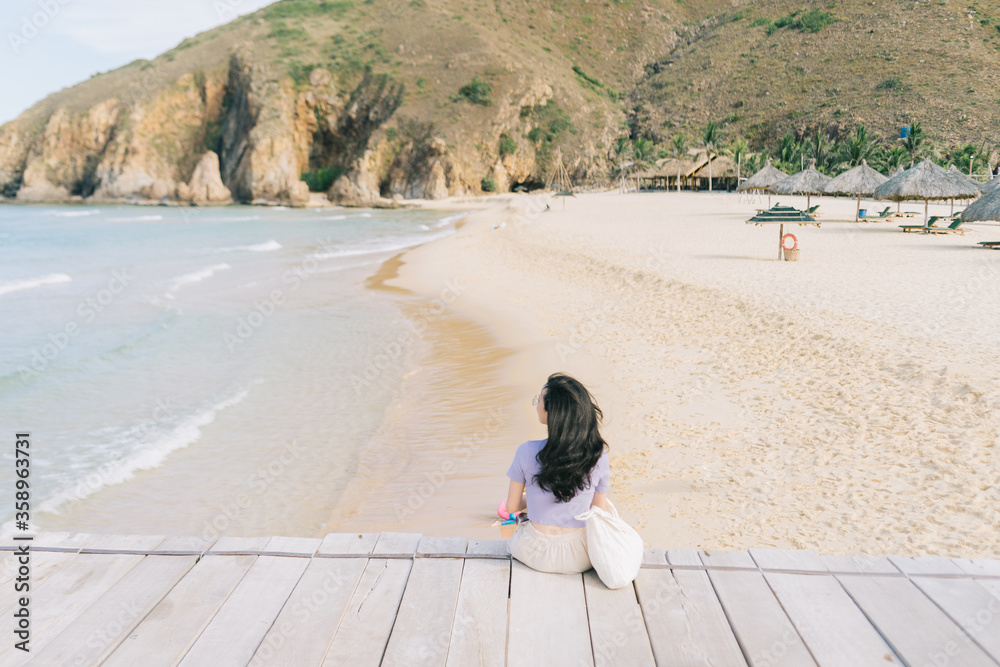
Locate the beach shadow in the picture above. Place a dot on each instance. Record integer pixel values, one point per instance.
(745, 258)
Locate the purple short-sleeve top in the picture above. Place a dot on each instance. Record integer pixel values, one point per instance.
(543, 507)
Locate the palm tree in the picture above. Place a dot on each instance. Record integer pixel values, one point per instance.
(739, 149)
(709, 140)
(859, 146)
(790, 153)
(915, 141)
(821, 150)
(678, 149)
(642, 149)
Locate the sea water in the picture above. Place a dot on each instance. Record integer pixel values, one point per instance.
(196, 370)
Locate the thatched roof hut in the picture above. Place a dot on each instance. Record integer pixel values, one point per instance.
(927, 181)
(806, 182)
(722, 167)
(986, 207)
(991, 185)
(861, 180)
(763, 179)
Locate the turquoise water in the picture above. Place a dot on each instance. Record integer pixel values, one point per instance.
(189, 370)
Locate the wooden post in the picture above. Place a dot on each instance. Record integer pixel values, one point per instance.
(781, 234)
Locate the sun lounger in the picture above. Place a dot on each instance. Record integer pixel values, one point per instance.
(954, 228)
(885, 213)
(812, 210)
(992, 245)
(931, 223)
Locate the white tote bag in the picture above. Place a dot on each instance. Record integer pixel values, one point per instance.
(615, 548)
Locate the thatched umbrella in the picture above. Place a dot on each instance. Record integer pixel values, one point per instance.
(806, 182)
(926, 181)
(862, 180)
(762, 180)
(986, 207)
(991, 185)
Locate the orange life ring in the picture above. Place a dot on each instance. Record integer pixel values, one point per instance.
(795, 242)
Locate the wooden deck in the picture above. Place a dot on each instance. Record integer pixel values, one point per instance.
(403, 599)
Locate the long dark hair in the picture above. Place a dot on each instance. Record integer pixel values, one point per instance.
(575, 444)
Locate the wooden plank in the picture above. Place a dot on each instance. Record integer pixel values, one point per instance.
(232, 637)
(684, 620)
(365, 630)
(133, 544)
(970, 605)
(238, 546)
(302, 632)
(479, 634)
(684, 557)
(925, 565)
(43, 565)
(991, 585)
(68, 541)
(169, 630)
(291, 546)
(95, 634)
(763, 630)
(859, 564)
(489, 548)
(396, 544)
(337, 544)
(740, 559)
(618, 635)
(438, 546)
(978, 567)
(183, 546)
(914, 627)
(69, 591)
(654, 557)
(422, 632)
(548, 619)
(787, 559)
(836, 632)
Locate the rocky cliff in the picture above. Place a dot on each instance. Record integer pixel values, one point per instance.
(374, 101)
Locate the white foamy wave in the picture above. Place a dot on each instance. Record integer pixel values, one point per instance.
(453, 218)
(196, 276)
(31, 283)
(266, 246)
(279, 208)
(386, 245)
(74, 214)
(333, 217)
(366, 215)
(149, 453)
(138, 218)
(425, 228)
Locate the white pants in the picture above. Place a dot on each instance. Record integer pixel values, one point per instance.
(559, 554)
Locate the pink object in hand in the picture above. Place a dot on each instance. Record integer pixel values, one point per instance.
(502, 510)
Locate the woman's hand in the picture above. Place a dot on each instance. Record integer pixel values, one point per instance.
(515, 497)
(600, 500)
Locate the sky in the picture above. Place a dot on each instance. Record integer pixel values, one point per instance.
(47, 45)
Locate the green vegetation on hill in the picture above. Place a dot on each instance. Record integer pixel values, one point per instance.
(783, 78)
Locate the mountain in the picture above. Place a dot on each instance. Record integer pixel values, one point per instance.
(374, 100)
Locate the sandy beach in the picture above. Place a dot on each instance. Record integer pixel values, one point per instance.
(844, 403)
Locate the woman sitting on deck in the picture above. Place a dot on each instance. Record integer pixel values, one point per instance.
(565, 475)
